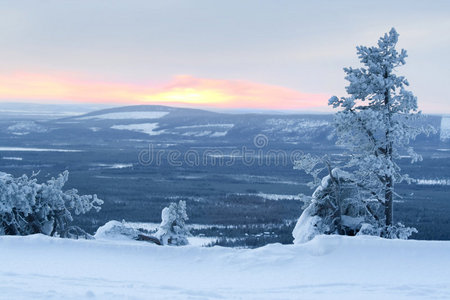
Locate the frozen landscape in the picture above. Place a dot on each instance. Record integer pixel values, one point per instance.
(328, 267)
(254, 150)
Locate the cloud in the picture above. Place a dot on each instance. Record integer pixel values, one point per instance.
(182, 90)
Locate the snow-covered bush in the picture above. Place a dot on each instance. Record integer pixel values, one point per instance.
(336, 207)
(173, 230)
(117, 231)
(369, 229)
(28, 207)
(399, 231)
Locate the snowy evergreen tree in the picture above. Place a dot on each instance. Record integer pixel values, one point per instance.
(173, 230)
(27, 207)
(375, 124)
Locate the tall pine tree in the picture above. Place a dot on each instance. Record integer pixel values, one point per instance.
(377, 120)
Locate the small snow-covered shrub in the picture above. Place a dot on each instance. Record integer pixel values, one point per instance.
(116, 230)
(28, 207)
(334, 208)
(399, 232)
(173, 230)
(369, 229)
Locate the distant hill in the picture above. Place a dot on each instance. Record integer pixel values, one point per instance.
(131, 126)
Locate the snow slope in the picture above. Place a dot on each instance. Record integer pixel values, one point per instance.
(328, 267)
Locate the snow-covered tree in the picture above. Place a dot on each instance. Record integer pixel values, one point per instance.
(28, 207)
(173, 230)
(376, 122)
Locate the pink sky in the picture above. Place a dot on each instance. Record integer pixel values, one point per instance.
(182, 90)
(213, 54)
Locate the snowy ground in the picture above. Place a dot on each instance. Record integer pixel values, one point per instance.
(39, 267)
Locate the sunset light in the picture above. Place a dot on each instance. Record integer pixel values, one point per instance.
(189, 96)
(182, 90)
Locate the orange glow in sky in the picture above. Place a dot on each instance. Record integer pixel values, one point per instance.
(182, 90)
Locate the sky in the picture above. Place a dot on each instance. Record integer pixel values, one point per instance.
(268, 55)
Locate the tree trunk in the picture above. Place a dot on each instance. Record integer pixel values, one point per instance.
(389, 202)
(389, 184)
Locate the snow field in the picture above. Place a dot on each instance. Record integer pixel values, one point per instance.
(328, 267)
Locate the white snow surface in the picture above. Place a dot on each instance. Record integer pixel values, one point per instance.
(24, 149)
(24, 128)
(229, 126)
(219, 133)
(328, 267)
(128, 115)
(211, 130)
(432, 181)
(205, 133)
(12, 158)
(113, 166)
(273, 197)
(147, 128)
(197, 133)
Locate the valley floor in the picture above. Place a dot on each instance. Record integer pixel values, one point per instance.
(329, 267)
